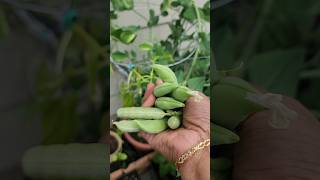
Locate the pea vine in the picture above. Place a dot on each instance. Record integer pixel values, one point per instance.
(186, 49)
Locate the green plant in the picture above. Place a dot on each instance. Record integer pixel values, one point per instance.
(176, 50)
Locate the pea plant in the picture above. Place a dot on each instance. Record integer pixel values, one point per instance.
(186, 49)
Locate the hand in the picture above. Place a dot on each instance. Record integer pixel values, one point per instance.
(195, 128)
(267, 153)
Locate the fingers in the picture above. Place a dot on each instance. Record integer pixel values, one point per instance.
(149, 98)
(159, 81)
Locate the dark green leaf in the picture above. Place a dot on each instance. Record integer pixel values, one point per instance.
(153, 19)
(119, 56)
(277, 71)
(122, 5)
(196, 83)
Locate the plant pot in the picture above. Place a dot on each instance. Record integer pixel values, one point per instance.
(140, 146)
(115, 143)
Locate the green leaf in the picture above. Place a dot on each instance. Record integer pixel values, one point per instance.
(119, 56)
(277, 71)
(122, 5)
(224, 48)
(153, 19)
(185, 3)
(125, 34)
(4, 26)
(196, 83)
(165, 6)
(179, 75)
(127, 37)
(189, 14)
(146, 46)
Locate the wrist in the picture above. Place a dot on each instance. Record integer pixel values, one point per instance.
(197, 166)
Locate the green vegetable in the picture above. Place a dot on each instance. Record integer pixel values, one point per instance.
(152, 126)
(174, 122)
(221, 135)
(127, 126)
(182, 93)
(168, 103)
(165, 73)
(164, 89)
(140, 113)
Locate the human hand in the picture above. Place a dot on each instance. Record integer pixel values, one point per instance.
(267, 153)
(195, 128)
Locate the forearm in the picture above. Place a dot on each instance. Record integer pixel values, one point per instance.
(197, 167)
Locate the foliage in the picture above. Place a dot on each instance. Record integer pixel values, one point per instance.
(277, 42)
(187, 39)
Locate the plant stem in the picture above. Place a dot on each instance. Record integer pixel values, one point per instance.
(192, 66)
(140, 15)
(198, 17)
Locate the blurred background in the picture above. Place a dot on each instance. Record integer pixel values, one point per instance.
(273, 44)
(53, 74)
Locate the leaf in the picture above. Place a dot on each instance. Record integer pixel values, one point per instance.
(4, 26)
(189, 14)
(127, 37)
(196, 83)
(125, 34)
(224, 48)
(165, 6)
(185, 3)
(122, 5)
(146, 46)
(153, 19)
(120, 56)
(179, 75)
(277, 71)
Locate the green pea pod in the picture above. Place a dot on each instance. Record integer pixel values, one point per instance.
(230, 105)
(221, 135)
(152, 126)
(140, 113)
(127, 126)
(165, 73)
(164, 89)
(174, 122)
(182, 93)
(71, 161)
(167, 103)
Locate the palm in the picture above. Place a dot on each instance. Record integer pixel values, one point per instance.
(172, 143)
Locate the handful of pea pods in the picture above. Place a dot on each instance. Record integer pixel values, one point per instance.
(170, 98)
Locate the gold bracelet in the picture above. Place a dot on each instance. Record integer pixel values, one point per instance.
(192, 151)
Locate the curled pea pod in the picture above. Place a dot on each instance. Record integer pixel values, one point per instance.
(152, 126)
(165, 73)
(140, 113)
(231, 106)
(167, 103)
(182, 93)
(174, 122)
(127, 126)
(221, 135)
(164, 89)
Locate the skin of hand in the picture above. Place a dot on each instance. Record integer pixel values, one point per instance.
(266, 153)
(195, 128)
